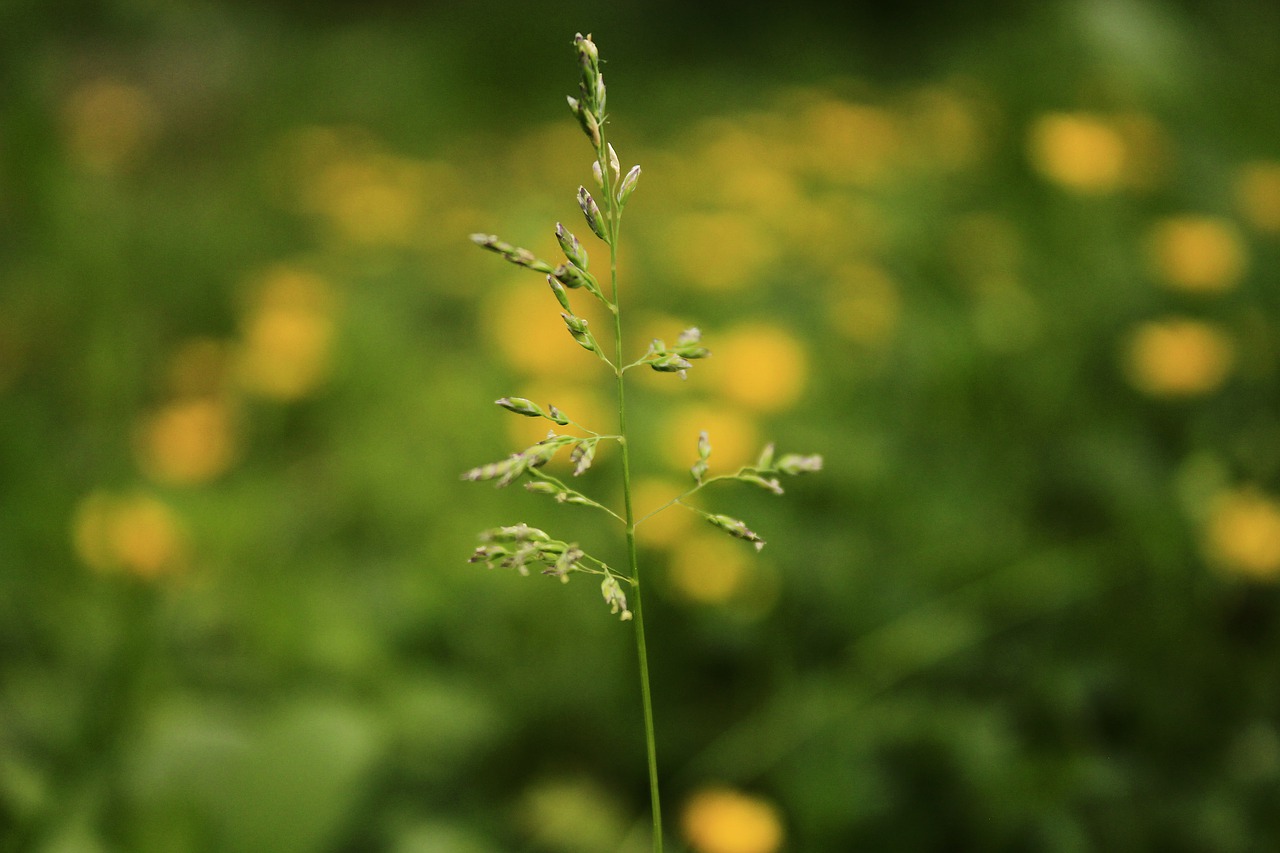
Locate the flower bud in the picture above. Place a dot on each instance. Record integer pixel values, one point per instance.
(504, 471)
(566, 563)
(558, 289)
(765, 462)
(521, 406)
(736, 528)
(671, 363)
(571, 247)
(699, 469)
(613, 162)
(573, 278)
(519, 257)
(540, 454)
(770, 484)
(578, 328)
(581, 456)
(628, 185)
(692, 351)
(793, 463)
(587, 51)
(592, 213)
(615, 597)
(592, 126)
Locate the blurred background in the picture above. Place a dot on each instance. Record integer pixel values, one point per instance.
(1009, 267)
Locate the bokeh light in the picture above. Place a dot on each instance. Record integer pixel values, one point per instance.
(1243, 534)
(134, 533)
(722, 820)
(1197, 254)
(1178, 357)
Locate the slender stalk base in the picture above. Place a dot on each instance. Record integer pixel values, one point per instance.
(642, 651)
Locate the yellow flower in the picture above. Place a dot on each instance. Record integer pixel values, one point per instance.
(523, 323)
(735, 441)
(1079, 151)
(721, 820)
(1196, 253)
(757, 365)
(136, 533)
(1258, 195)
(187, 442)
(708, 568)
(1178, 357)
(287, 334)
(1243, 534)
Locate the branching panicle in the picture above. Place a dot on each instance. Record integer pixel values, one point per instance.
(520, 547)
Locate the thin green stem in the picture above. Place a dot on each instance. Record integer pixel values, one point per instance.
(642, 653)
(679, 499)
(547, 478)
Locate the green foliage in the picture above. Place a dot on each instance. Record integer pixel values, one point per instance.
(1011, 278)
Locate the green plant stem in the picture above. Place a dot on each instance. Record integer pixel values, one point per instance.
(642, 652)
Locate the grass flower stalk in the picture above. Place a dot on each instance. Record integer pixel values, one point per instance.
(520, 546)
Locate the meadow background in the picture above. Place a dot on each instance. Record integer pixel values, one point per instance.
(1011, 268)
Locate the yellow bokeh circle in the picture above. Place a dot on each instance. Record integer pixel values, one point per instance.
(722, 820)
